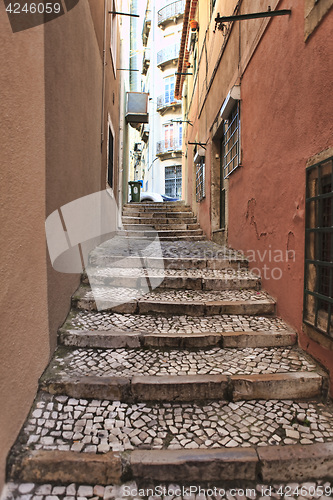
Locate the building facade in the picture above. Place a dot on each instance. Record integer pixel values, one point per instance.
(258, 149)
(61, 141)
(162, 138)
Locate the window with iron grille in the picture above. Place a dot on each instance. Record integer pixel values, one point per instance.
(173, 181)
(110, 159)
(318, 284)
(200, 180)
(230, 144)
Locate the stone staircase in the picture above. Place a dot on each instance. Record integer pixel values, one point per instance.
(173, 221)
(196, 381)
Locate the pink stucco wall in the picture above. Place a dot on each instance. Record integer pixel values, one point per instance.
(286, 118)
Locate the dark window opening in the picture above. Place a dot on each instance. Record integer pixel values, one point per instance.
(110, 159)
(318, 289)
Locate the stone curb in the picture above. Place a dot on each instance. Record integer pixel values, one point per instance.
(266, 463)
(229, 282)
(168, 263)
(172, 388)
(193, 308)
(133, 339)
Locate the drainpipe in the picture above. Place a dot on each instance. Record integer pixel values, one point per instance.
(103, 77)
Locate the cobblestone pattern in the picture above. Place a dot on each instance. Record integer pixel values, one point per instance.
(122, 246)
(98, 426)
(120, 293)
(136, 272)
(321, 490)
(215, 361)
(173, 324)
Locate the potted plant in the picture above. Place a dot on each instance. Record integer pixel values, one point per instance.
(194, 24)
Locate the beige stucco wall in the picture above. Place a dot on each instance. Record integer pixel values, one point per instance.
(73, 100)
(51, 113)
(24, 341)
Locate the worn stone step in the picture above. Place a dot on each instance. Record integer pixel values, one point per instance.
(140, 374)
(149, 233)
(157, 214)
(172, 254)
(155, 220)
(173, 302)
(179, 226)
(117, 338)
(103, 259)
(107, 329)
(156, 210)
(196, 279)
(156, 203)
(101, 441)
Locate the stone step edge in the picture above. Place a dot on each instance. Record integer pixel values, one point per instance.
(133, 339)
(265, 464)
(195, 308)
(186, 388)
(170, 263)
(229, 282)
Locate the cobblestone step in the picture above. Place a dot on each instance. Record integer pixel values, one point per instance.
(174, 302)
(157, 206)
(183, 375)
(107, 329)
(155, 220)
(196, 279)
(103, 259)
(132, 490)
(162, 211)
(172, 233)
(175, 254)
(115, 339)
(179, 226)
(69, 440)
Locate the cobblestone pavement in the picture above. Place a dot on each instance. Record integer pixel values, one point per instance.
(120, 293)
(173, 324)
(122, 246)
(321, 490)
(130, 362)
(98, 426)
(224, 274)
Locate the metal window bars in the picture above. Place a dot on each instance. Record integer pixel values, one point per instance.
(230, 143)
(318, 274)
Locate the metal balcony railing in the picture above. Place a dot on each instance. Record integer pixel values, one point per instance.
(146, 27)
(163, 102)
(170, 146)
(145, 60)
(171, 11)
(168, 54)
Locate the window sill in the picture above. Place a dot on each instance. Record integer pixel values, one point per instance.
(318, 336)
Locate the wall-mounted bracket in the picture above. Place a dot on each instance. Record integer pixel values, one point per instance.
(123, 13)
(221, 20)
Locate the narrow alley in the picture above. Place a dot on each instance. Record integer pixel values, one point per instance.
(166, 257)
(198, 384)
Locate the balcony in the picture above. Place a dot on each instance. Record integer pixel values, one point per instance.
(145, 61)
(163, 104)
(168, 55)
(144, 132)
(136, 107)
(170, 13)
(166, 149)
(146, 27)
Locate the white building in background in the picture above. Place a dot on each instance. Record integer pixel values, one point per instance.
(161, 154)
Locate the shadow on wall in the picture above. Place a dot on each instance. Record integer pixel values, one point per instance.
(23, 16)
